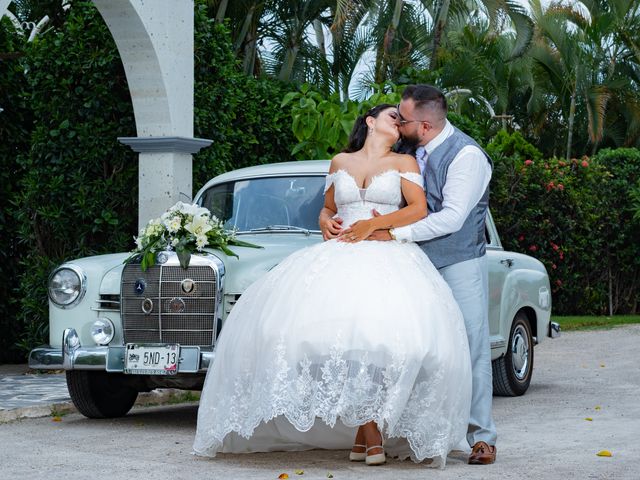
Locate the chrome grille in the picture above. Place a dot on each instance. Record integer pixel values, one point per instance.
(107, 303)
(195, 325)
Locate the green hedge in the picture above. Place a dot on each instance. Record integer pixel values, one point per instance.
(15, 121)
(576, 217)
(78, 194)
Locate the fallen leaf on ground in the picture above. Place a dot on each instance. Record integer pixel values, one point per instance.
(282, 476)
(57, 419)
(598, 407)
(602, 365)
(589, 419)
(299, 472)
(329, 475)
(604, 453)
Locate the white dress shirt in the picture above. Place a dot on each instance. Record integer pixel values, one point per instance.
(467, 179)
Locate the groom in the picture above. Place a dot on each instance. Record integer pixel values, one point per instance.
(457, 173)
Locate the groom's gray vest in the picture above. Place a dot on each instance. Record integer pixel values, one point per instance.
(468, 242)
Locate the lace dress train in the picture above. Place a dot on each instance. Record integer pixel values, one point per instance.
(338, 335)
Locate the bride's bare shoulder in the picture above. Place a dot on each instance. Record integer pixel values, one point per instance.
(406, 163)
(338, 162)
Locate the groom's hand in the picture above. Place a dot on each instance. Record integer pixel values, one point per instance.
(379, 235)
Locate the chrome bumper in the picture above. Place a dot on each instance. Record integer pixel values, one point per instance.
(72, 356)
(554, 329)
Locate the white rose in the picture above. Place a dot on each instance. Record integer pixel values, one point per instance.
(138, 242)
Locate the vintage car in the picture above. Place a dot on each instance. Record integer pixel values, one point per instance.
(118, 330)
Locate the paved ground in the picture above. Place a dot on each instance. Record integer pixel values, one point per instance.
(543, 435)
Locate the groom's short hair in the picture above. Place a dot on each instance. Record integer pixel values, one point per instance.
(426, 97)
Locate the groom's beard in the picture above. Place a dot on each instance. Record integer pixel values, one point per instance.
(407, 145)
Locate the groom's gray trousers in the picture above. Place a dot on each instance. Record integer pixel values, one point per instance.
(469, 281)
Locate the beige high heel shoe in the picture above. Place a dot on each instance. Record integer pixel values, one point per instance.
(358, 456)
(376, 459)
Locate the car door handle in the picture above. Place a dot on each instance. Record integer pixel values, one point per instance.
(508, 262)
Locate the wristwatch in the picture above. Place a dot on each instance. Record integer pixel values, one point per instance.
(392, 234)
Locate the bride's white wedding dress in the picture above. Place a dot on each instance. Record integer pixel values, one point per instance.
(337, 335)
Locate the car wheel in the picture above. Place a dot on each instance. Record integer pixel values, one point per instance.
(100, 394)
(512, 372)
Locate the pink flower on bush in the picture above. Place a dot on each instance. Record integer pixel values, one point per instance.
(561, 255)
(560, 187)
(562, 163)
(533, 248)
(554, 246)
(559, 282)
(528, 162)
(554, 266)
(550, 186)
(584, 163)
(521, 238)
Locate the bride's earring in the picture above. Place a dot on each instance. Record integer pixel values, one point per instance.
(370, 130)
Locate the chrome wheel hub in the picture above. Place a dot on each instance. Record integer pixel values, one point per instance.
(520, 352)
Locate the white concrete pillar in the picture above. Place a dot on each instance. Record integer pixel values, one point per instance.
(155, 41)
(164, 172)
(4, 4)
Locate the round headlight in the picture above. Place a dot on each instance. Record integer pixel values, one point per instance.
(67, 286)
(102, 331)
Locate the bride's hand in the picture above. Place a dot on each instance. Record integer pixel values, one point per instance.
(357, 232)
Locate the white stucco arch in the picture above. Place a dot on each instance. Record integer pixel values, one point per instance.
(155, 42)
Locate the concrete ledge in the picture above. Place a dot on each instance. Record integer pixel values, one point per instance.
(165, 144)
(160, 396)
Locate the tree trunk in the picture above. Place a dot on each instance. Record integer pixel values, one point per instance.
(246, 25)
(249, 61)
(383, 54)
(336, 39)
(289, 61)
(317, 27)
(222, 11)
(572, 114)
(438, 30)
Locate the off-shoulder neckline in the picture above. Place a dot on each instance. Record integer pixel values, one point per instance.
(373, 177)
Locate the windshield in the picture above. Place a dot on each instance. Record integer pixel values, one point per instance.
(261, 203)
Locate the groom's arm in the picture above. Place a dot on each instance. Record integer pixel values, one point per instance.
(467, 179)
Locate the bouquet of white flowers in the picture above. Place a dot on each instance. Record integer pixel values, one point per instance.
(187, 229)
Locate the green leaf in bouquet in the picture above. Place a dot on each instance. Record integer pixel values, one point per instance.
(184, 255)
(241, 243)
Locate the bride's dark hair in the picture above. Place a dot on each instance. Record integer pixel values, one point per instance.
(360, 129)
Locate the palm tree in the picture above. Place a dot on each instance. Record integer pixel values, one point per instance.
(497, 12)
(582, 56)
(479, 62)
(286, 22)
(245, 20)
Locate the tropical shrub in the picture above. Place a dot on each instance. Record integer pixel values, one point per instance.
(241, 114)
(321, 124)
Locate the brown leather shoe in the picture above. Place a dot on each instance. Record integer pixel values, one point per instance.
(482, 454)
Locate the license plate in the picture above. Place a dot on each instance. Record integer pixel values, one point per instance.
(151, 359)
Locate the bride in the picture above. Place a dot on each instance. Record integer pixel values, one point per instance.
(348, 338)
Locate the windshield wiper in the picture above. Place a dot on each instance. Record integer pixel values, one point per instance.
(281, 228)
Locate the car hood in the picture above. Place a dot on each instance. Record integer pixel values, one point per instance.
(252, 263)
(241, 271)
